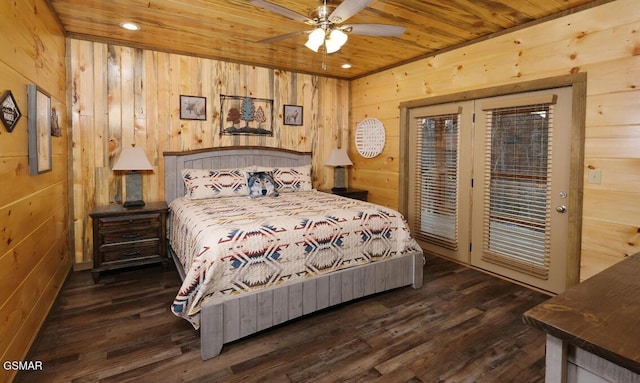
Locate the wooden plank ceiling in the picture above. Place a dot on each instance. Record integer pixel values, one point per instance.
(230, 30)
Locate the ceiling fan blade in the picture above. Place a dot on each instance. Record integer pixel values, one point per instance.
(281, 11)
(375, 29)
(347, 9)
(282, 37)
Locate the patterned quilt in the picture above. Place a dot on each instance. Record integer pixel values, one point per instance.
(233, 245)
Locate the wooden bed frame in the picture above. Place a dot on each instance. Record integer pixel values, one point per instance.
(223, 322)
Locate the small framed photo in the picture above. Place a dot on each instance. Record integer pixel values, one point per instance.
(193, 108)
(292, 115)
(10, 114)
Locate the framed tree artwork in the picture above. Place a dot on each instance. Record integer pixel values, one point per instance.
(246, 116)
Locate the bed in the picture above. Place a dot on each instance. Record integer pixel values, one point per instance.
(226, 302)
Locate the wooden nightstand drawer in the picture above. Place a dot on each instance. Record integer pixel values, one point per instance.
(129, 235)
(124, 237)
(129, 251)
(132, 222)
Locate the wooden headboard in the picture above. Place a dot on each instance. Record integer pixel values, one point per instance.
(227, 157)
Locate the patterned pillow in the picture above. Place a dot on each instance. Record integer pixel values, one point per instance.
(292, 179)
(214, 183)
(261, 184)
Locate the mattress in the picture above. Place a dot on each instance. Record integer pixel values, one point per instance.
(236, 245)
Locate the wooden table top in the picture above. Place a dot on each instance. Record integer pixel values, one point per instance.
(117, 209)
(600, 315)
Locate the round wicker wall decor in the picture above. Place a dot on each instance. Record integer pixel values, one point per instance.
(370, 137)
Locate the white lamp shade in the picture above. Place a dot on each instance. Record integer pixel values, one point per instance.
(339, 157)
(314, 48)
(332, 46)
(132, 159)
(316, 39)
(338, 36)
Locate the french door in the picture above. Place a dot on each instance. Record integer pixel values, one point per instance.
(489, 184)
(440, 171)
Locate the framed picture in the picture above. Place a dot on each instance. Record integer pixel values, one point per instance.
(56, 130)
(292, 115)
(39, 127)
(193, 108)
(10, 113)
(246, 116)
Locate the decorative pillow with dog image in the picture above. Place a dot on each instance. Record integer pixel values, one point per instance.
(214, 183)
(292, 179)
(261, 184)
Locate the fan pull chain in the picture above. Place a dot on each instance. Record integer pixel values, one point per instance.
(324, 59)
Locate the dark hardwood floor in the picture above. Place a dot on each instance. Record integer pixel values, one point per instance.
(462, 326)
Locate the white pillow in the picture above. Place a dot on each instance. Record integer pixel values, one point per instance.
(215, 183)
(291, 179)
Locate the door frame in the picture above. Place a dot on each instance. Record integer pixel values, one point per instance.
(578, 82)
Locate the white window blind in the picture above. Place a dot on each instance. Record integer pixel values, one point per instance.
(517, 183)
(436, 192)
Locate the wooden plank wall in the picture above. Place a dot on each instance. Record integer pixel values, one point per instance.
(602, 41)
(34, 216)
(123, 96)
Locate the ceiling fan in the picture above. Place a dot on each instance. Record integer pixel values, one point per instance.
(326, 19)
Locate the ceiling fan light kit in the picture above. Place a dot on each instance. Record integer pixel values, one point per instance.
(326, 21)
(332, 41)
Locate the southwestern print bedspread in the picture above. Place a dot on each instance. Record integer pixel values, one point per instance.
(233, 245)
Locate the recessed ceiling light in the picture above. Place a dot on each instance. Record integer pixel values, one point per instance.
(346, 66)
(130, 26)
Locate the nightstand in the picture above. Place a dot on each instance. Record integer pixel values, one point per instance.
(125, 237)
(351, 193)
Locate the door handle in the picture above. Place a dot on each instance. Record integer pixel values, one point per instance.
(561, 209)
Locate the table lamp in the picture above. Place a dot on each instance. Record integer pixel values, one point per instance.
(339, 159)
(133, 160)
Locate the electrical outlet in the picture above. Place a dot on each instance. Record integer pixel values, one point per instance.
(595, 176)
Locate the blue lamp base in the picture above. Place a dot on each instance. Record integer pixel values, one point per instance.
(338, 179)
(133, 195)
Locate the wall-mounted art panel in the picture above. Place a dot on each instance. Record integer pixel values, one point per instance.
(39, 115)
(246, 115)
